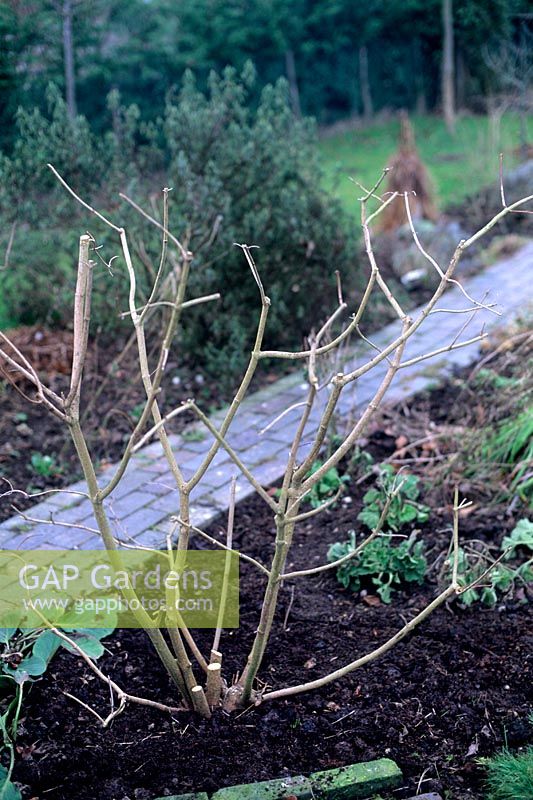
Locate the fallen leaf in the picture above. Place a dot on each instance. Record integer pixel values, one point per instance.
(472, 750)
(465, 512)
(372, 600)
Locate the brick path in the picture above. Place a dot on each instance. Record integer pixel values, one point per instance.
(142, 503)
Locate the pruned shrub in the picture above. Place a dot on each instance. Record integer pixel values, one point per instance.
(203, 686)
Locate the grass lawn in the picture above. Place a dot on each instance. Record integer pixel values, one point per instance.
(458, 165)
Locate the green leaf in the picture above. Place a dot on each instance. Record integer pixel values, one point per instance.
(46, 645)
(33, 665)
(489, 596)
(6, 634)
(469, 597)
(8, 791)
(521, 536)
(90, 645)
(386, 565)
(97, 633)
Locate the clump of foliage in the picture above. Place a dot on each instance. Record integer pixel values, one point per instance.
(327, 487)
(385, 564)
(44, 465)
(486, 376)
(498, 452)
(403, 492)
(239, 172)
(511, 447)
(503, 578)
(510, 775)
(25, 656)
(520, 536)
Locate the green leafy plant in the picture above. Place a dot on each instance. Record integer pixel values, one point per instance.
(44, 465)
(520, 536)
(385, 564)
(27, 653)
(328, 486)
(511, 447)
(510, 775)
(193, 435)
(136, 411)
(403, 491)
(493, 378)
(25, 656)
(503, 578)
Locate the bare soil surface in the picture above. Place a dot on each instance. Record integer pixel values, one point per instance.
(457, 689)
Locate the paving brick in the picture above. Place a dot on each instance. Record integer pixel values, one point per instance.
(158, 467)
(297, 787)
(269, 472)
(151, 538)
(356, 781)
(160, 486)
(126, 505)
(141, 520)
(264, 450)
(133, 480)
(219, 498)
(168, 503)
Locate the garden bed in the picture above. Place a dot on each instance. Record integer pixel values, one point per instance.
(456, 690)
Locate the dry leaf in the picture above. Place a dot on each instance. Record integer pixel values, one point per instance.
(372, 600)
(465, 512)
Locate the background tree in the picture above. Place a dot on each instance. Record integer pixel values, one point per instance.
(448, 66)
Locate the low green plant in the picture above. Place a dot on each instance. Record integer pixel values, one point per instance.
(381, 562)
(403, 492)
(520, 536)
(510, 775)
(193, 435)
(327, 486)
(29, 652)
(25, 656)
(503, 578)
(511, 447)
(136, 411)
(44, 465)
(361, 462)
(491, 377)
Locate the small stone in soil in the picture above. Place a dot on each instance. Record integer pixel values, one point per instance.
(430, 796)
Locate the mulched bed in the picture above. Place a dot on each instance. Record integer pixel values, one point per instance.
(454, 691)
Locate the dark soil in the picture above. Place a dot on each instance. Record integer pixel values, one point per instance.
(454, 691)
(457, 689)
